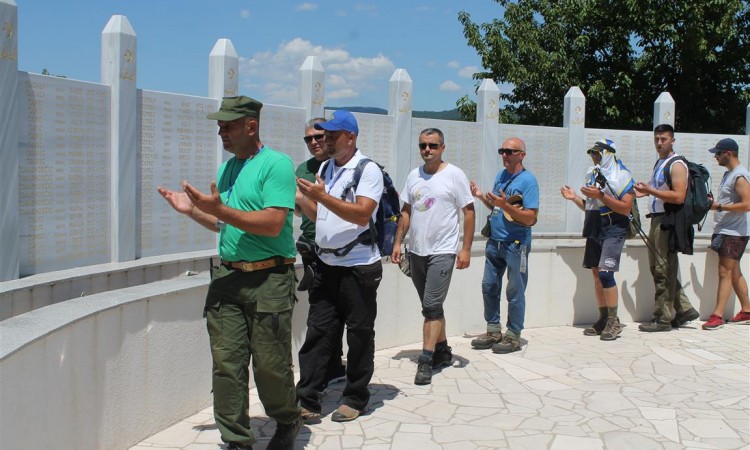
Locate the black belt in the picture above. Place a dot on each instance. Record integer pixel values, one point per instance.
(650, 215)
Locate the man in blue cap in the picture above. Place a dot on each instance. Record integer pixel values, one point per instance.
(251, 296)
(348, 272)
(731, 231)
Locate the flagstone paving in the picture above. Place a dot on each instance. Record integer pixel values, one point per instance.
(687, 388)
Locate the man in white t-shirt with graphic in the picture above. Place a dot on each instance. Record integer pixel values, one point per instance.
(348, 272)
(433, 195)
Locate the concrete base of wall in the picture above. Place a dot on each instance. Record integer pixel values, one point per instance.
(107, 370)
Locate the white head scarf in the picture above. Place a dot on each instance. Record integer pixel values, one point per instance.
(618, 178)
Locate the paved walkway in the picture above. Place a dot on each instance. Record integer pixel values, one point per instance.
(687, 388)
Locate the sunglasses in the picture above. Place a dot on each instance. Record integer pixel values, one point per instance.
(508, 151)
(432, 145)
(318, 137)
(591, 152)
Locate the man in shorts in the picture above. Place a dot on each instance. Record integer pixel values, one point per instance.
(433, 195)
(731, 231)
(609, 194)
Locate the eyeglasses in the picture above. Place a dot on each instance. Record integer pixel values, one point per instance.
(432, 145)
(318, 137)
(508, 151)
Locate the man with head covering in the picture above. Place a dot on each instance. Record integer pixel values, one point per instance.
(251, 295)
(608, 197)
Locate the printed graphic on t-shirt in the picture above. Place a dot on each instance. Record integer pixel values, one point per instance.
(423, 200)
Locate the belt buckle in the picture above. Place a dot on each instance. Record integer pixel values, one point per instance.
(247, 266)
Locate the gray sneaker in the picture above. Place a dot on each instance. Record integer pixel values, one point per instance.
(684, 317)
(487, 340)
(611, 330)
(507, 345)
(597, 328)
(655, 327)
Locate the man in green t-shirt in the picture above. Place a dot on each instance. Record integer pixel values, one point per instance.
(251, 296)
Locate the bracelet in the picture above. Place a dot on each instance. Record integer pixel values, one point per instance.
(718, 207)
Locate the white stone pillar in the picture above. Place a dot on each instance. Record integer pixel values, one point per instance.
(9, 125)
(223, 70)
(574, 119)
(312, 88)
(664, 110)
(119, 71)
(223, 81)
(400, 91)
(488, 113)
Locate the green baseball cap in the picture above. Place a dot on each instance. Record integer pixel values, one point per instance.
(233, 108)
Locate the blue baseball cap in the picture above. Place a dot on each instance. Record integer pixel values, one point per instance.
(726, 144)
(341, 119)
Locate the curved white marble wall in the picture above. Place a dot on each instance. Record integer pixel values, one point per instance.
(107, 370)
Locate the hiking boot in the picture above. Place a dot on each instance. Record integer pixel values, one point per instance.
(238, 446)
(285, 435)
(655, 326)
(487, 340)
(714, 322)
(741, 317)
(424, 370)
(597, 328)
(684, 317)
(309, 416)
(345, 413)
(611, 330)
(443, 356)
(507, 345)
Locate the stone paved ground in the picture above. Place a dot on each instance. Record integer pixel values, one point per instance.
(687, 388)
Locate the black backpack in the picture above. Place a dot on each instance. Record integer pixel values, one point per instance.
(381, 232)
(699, 198)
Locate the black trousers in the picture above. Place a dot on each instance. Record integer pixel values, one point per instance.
(340, 295)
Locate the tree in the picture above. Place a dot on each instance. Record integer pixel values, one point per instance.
(621, 54)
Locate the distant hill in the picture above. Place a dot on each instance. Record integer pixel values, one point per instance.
(451, 114)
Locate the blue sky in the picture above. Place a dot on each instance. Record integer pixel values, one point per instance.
(360, 44)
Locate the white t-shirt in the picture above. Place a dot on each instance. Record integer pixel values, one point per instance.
(333, 232)
(435, 204)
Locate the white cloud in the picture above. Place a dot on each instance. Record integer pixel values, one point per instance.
(449, 86)
(245, 13)
(468, 71)
(454, 64)
(306, 6)
(274, 75)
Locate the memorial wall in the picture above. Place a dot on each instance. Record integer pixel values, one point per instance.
(75, 141)
(64, 171)
(177, 143)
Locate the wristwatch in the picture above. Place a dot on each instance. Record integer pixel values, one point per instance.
(718, 207)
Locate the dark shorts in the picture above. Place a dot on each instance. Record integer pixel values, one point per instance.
(431, 276)
(729, 246)
(604, 254)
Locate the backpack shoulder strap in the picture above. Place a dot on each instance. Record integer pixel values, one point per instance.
(668, 168)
